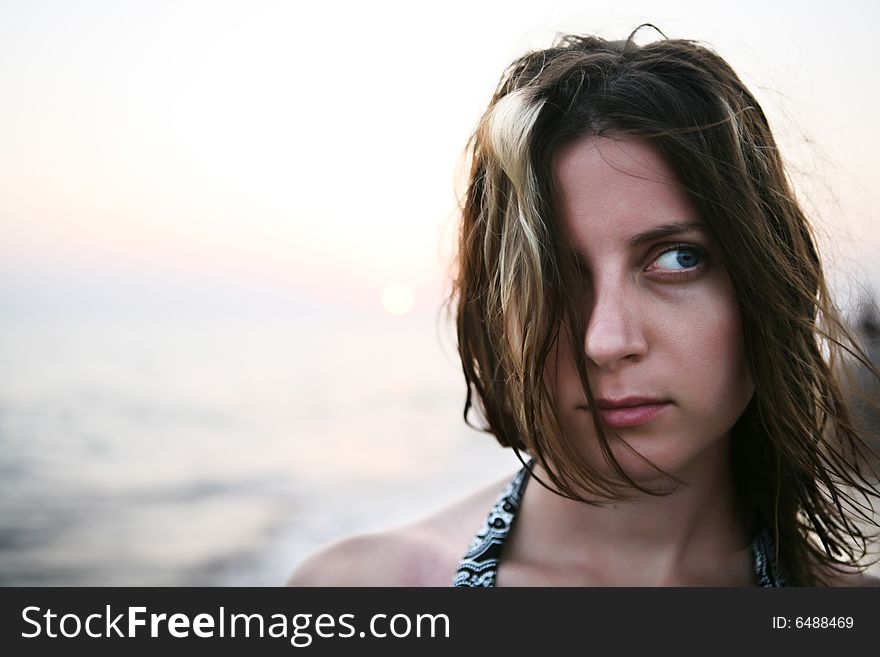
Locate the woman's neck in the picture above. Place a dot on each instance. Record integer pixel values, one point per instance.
(691, 536)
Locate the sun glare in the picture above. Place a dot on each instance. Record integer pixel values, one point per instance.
(397, 299)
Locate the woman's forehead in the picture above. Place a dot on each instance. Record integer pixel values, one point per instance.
(614, 190)
(634, 154)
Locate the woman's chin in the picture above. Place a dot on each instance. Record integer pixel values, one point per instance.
(657, 464)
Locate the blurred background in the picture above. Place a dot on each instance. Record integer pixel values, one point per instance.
(225, 235)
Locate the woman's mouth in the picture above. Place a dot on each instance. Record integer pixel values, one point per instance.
(631, 412)
(631, 416)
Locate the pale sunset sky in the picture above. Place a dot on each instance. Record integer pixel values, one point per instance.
(309, 150)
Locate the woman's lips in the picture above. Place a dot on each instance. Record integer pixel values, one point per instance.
(631, 416)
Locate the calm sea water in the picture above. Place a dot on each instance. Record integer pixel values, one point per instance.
(202, 452)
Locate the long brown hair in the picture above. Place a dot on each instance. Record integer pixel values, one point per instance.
(798, 463)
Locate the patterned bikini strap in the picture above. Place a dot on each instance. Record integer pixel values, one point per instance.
(479, 566)
(768, 572)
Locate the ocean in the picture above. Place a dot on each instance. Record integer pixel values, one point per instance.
(144, 452)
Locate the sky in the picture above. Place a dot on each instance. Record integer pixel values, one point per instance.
(308, 151)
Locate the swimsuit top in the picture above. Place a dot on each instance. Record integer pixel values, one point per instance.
(479, 566)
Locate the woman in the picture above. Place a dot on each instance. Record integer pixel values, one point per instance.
(643, 318)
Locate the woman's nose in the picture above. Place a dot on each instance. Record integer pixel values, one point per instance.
(614, 328)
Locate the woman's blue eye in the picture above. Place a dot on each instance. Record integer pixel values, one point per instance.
(679, 258)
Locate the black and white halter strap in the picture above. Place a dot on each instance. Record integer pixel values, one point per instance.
(479, 566)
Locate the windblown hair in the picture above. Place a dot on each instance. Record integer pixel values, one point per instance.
(799, 466)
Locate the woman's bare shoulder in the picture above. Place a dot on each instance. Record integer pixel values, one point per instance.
(423, 553)
(389, 558)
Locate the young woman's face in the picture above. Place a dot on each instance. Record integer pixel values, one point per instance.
(663, 338)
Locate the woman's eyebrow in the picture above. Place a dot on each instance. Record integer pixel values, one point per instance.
(656, 233)
(666, 230)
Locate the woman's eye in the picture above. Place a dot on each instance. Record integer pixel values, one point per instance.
(678, 258)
